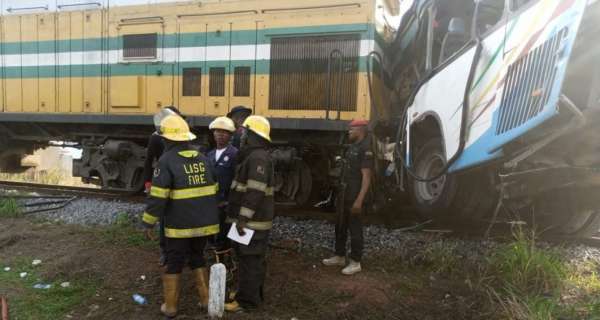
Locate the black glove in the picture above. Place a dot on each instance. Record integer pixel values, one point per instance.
(241, 224)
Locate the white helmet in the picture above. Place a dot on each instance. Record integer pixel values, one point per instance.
(222, 123)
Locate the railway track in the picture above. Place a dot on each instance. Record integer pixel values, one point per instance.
(55, 190)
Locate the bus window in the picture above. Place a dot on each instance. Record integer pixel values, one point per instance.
(489, 13)
(518, 4)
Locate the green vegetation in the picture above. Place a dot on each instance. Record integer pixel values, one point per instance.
(28, 303)
(533, 283)
(522, 267)
(124, 231)
(9, 208)
(438, 257)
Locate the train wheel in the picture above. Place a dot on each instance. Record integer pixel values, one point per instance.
(468, 196)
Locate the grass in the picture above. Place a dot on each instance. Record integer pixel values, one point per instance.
(532, 283)
(437, 257)
(9, 208)
(28, 303)
(522, 267)
(124, 231)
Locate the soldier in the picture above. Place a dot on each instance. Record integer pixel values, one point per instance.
(223, 160)
(356, 180)
(184, 192)
(238, 115)
(251, 205)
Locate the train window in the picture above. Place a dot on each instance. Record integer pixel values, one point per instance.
(325, 66)
(241, 81)
(217, 82)
(140, 46)
(192, 80)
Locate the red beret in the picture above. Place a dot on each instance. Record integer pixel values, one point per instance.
(359, 123)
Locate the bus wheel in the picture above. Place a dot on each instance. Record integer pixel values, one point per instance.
(570, 212)
(467, 196)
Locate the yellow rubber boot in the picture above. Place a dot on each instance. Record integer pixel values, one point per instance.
(201, 276)
(171, 294)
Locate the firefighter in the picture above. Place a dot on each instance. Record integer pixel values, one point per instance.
(223, 160)
(154, 150)
(352, 199)
(238, 115)
(251, 205)
(184, 192)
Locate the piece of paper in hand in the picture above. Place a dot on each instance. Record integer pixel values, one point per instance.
(235, 236)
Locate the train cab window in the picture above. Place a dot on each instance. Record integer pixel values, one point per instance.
(241, 82)
(140, 46)
(192, 82)
(216, 82)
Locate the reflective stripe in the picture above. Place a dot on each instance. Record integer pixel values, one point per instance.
(196, 192)
(149, 219)
(256, 185)
(252, 184)
(188, 153)
(159, 192)
(193, 232)
(246, 212)
(254, 225)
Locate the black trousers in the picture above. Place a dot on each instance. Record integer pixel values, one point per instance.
(252, 270)
(162, 240)
(221, 239)
(178, 250)
(347, 222)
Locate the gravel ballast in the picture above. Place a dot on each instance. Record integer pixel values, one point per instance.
(313, 234)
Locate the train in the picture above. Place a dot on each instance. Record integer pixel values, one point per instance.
(90, 74)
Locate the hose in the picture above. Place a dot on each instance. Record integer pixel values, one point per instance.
(404, 117)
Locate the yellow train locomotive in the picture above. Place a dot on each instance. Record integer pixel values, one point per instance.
(93, 73)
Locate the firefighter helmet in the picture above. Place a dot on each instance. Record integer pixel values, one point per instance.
(222, 123)
(173, 127)
(259, 125)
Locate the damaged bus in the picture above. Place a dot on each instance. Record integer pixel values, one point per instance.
(498, 103)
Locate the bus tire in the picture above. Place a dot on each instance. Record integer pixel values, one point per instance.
(453, 198)
(568, 212)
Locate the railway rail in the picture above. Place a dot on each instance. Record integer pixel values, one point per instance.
(57, 190)
(54, 197)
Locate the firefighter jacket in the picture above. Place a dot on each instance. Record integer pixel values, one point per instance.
(224, 169)
(251, 194)
(184, 192)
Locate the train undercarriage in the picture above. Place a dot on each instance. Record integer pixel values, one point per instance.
(113, 155)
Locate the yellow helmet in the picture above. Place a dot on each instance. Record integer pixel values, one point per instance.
(259, 125)
(222, 123)
(175, 128)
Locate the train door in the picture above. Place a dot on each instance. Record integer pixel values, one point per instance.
(159, 86)
(93, 59)
(243, 64)
(11, 49)
(47, 62)
(191, 66)
(29, 66)
(218, 53)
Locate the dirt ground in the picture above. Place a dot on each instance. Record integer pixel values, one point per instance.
(298, 286)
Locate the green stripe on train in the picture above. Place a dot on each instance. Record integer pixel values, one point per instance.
(137, 69)
(193, 39)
